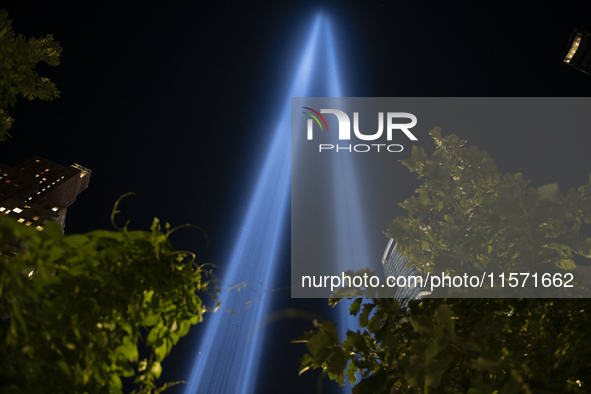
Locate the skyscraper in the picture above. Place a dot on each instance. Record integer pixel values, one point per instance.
(394, 266)
(39, 190)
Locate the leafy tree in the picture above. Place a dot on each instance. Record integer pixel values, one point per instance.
(18, 58)
(468, 217)
(73, 324)
(458, 346)
(77, 312)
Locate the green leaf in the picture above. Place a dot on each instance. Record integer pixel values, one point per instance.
(566, 264)
(355, 306)
(337, 361)
(156, 369)
(364, 316)
(351, 373)
(318, 346)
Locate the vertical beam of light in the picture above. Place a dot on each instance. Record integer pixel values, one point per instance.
(353, 247)
(228, 356)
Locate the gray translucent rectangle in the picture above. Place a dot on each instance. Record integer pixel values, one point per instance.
(344, 192)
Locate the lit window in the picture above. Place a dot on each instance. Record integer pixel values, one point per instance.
(30, 198)
(37, 161)
(2, 209)
(37, 176)
(21, 220)
(8, 181)
(47, 169)
(54, 209)
(39, 228)
(38, 192)
(62, 177)
(44, 179)
(35, 217)
(7, 212)
(53, 183)
(17, 210)
(27, 206)
(28, 224)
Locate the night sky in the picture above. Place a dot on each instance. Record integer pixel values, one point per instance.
(175, 101)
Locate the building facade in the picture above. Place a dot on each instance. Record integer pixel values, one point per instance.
(39, 190)
(394, 266)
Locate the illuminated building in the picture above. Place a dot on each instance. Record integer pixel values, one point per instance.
(38, 190)
(395, 266)
(579, 52)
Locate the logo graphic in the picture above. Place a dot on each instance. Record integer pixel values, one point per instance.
(315, 118)
(345, 129)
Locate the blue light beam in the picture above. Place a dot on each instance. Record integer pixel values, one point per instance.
(352, 249)
(228, 356)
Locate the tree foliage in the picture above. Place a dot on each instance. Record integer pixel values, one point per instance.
(18, 59)
(476, 346)
(467, 217)
(78, 312)
(74, 308)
